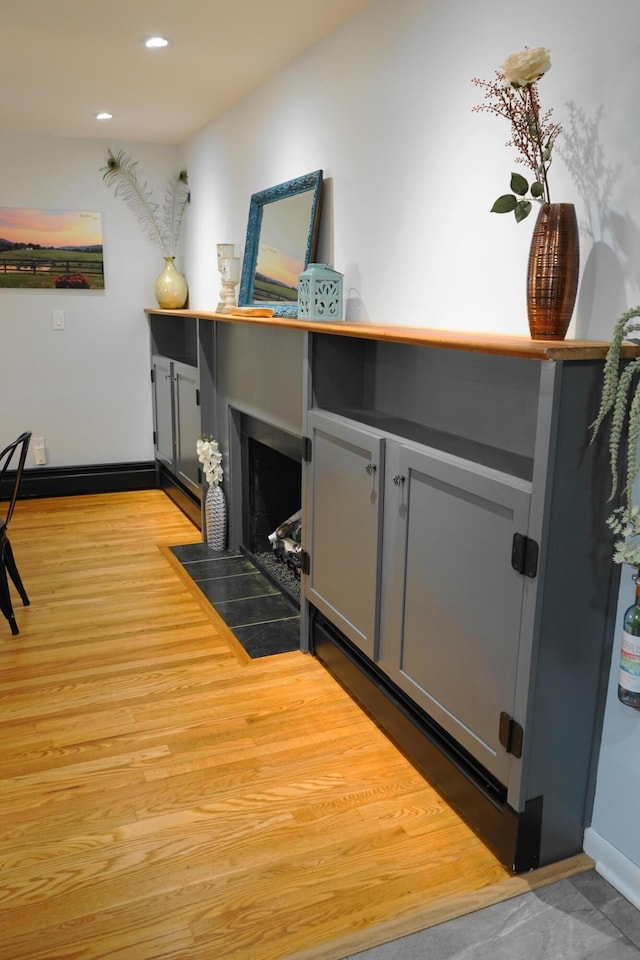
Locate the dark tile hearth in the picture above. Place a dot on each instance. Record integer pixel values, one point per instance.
(263, 620)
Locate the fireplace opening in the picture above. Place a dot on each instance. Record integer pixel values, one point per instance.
(271, 491)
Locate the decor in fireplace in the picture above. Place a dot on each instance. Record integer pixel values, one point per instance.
(271, 490)
(286, 542)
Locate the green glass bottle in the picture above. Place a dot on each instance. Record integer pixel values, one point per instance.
(629, 676)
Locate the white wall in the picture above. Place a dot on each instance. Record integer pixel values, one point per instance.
(384, 106)
(85, 389)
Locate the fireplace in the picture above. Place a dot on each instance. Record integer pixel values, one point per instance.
(271, 468)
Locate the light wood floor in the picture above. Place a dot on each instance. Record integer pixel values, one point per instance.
(160, 797)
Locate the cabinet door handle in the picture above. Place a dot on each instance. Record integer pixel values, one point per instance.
(370, 468)
(398, 479)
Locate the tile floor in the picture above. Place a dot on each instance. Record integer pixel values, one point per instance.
(583, 918)
(260, 616)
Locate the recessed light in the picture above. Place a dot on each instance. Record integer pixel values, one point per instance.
(104, 116)
(154, 42)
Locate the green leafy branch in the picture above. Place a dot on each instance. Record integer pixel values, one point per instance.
(509, 202)
(539, 189)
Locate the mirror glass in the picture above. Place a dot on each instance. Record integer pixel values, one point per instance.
(281, 239)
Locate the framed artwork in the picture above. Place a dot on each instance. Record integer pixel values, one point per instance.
(51, 249)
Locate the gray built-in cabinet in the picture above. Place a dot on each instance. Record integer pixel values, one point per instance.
(409, 516)
(459, 581)
(177, 421)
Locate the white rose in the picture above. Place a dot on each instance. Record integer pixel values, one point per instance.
(523, 68)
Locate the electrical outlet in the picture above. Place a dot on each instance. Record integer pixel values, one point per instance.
(57, 318)
(39, 451)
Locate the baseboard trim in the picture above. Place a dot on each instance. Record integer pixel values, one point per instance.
(95, 478)
(618, 870)
(182, 498)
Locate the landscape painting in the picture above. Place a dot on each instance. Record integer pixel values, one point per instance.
(51, 249)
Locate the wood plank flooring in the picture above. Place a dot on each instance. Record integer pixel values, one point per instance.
(161, 797)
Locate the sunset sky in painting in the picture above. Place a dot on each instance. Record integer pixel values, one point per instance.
(50, 228)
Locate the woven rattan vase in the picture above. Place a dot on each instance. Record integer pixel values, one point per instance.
(552, 276)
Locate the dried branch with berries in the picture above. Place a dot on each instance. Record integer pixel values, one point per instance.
(514, 96)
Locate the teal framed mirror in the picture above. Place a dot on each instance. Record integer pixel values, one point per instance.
(281, 239)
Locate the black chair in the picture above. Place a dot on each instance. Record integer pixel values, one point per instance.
(11, 458)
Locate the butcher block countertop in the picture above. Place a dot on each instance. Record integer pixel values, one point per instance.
(470, 341)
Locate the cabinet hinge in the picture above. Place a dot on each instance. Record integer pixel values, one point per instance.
(197, 396)
(155, 439)
(510, 735)
(524, 555)
(305, 563)
(153, 375)
(306, 449)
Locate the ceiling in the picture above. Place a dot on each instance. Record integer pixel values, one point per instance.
(64, 61)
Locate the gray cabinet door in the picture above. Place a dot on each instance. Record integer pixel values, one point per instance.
(344, 525)
(452, 615)
(187, 424)
(163, 410)
(176, 417)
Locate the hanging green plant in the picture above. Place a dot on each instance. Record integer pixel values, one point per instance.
(621, 401)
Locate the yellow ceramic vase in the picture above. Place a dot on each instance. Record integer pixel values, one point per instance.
(171, 287)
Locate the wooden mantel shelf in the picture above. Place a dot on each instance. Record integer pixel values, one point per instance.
(471, 341)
